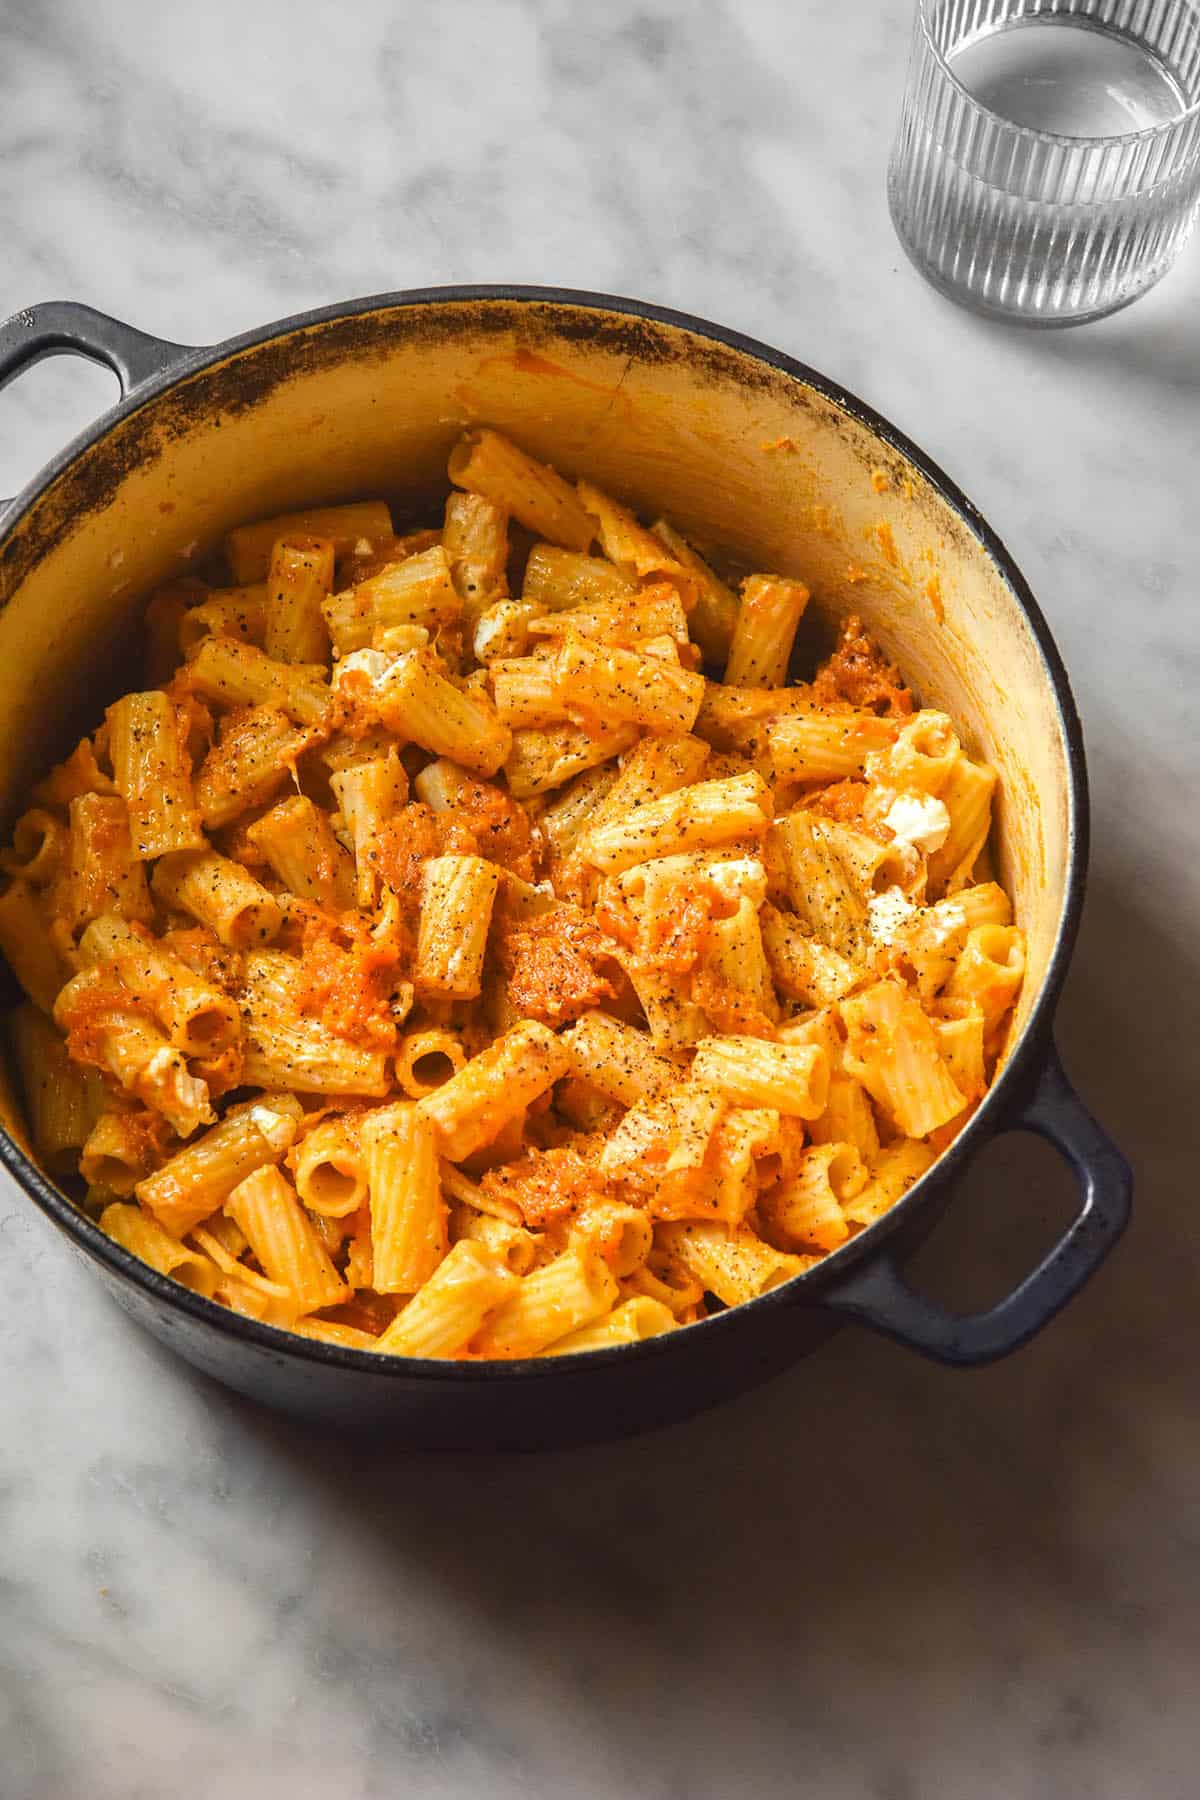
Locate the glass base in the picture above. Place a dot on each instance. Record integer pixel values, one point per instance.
(972, 302)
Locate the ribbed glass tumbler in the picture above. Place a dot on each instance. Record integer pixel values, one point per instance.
(1047, 164)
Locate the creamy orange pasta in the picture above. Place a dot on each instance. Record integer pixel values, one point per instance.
(469, 943)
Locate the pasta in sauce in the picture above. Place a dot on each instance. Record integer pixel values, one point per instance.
(437, 958)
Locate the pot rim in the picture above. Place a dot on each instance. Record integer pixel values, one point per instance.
(1012, 1079)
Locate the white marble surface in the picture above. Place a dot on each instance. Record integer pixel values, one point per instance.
(874, 1578)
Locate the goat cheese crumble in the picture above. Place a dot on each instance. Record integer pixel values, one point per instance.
(919, 820)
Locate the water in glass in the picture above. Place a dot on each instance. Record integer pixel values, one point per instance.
(1047, 165)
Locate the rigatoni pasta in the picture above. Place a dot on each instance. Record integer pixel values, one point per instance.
(408, 1213)
(417, 590)
(298, 581)
(151, 772)
(437, 958)
(768, 615)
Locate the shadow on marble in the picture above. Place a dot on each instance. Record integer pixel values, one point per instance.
(1155, 342)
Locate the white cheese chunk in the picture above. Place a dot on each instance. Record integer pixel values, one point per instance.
(919, 820)
(503, 630)
(277, 1128)
(374, 664)
(887, 912)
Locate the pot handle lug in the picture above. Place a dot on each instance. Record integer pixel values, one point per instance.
(64, 328)
(877, 1295)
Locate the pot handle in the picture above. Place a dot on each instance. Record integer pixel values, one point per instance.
(64, 328)
(878, 1295)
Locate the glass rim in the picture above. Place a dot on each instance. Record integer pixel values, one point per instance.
(1145, 135)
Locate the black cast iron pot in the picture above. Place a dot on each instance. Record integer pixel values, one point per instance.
(742, 447)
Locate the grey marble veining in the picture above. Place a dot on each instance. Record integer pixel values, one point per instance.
(873, 1580)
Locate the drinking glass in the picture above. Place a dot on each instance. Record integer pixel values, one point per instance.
(1047, 163)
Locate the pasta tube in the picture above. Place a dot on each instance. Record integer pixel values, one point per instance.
(418, 703)
(922, 757)
(152, 770)
(103, 874)
(220, 894)
(807, 1210)
(825, 746)
(239, 612)
(198, 1179)
(801, 966)
(33, 955)
(115, 1034)
(231, 673)
(770, 610)
(62, 1100)
(145, 1238)
(39, 848)
(408, 1213)
(117, 1153)
(960, 1037)
(569, 813)
(486, 463)
(494, 1087)
(330, 1169)
(735, 979)
(967, 797)
(848, 1118)
(248, 547)
(600, 684)
(526, 691)
(891, 1175)
(870, 865)
(425, 1060)
(332, 1331)
(892, 1048)
(252, 760)
(634, 1320)
(698, 817)
(298, 842)
(298, 582)
(990, 970)
(456, 913)
(675, 1020)
(285, 1048)
(199, 1018)
(625, 541)
(476, 544)
(621, 1233)
(510, 1245)
(559, 1298)
(655, 767)
(827, 902)
(540, 760)
(417, 591)
(558, 579)
(617, 1059)
(282, 1237)
(452, 1306)
(792, 1078)
(369, 794)
(714, 614)
(729, 1261)
(501, 631)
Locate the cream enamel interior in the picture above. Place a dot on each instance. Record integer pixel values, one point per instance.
(740, 456)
